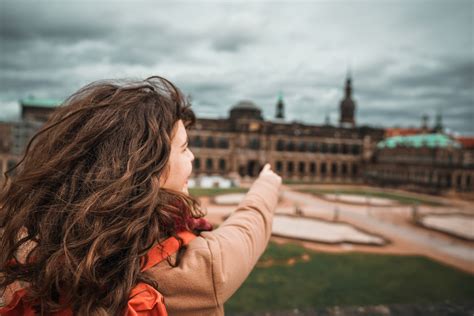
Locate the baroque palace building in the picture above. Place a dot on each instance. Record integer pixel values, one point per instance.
(241, 144)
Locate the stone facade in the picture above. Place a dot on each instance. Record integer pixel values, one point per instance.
(243, 143)
(427, 169)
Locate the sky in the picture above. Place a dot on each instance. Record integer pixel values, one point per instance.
(407, 58)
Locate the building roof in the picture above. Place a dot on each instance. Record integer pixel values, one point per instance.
(420, 140)
(466, 141)
(41, 103)
(400, 131)
(245, 105)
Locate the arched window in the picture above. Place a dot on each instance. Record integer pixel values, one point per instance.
(222, 164)
(313, 147)
(301, 167)
(355, 149)
(210, 142)
(280, 145)
(254, 143)
(223, 143)
(302, 147)
(197, 163)
(354, 170)
(279, 166)
(290, 166)
(344, 169)
(324, 148)
(290, 146)
(196, 142)
(334, 169)
(323, 168)
(209, 164)
(345, 149)
(312, 167)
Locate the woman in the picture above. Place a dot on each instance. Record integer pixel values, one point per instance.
(104, 183)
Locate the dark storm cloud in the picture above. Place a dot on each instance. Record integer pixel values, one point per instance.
(406, 58)
(450, 73)
(55, 21)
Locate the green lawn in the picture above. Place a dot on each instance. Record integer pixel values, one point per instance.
(347, 280)
(215, 191)
(404, 199)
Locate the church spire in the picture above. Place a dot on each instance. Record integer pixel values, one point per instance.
(347, 105)
(280, 107)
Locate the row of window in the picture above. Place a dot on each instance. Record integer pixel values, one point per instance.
(209, 142)
(324, 169)
(428, 177)
(281, 145)
(209, 164)
(288, 167)
(314, 147)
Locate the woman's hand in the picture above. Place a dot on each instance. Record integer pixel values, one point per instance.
(267, 172)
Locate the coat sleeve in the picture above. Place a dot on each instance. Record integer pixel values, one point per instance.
(240, 240)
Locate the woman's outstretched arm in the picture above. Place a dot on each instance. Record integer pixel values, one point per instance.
(240, 240)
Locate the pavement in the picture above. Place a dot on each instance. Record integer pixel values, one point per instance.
(392, 222)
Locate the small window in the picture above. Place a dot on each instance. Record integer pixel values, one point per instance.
(355, 149)
(209, 164)
(291, 146)
(324, 148)
(290, 166)
(197, 163)
(301, 167)
(254, 143)
(279, 166)
(222, 164)
(323, 168)
(345, 149)
(280, 146)
(210, 142)
(223, 143)
(354, 170)
(196, 142)
(344, 169)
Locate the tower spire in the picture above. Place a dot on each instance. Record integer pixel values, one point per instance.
(280, 107)
(347, 105)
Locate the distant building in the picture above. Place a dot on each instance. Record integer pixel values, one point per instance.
(431, 162)
(14, 136)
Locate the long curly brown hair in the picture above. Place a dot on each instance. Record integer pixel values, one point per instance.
(86, 203)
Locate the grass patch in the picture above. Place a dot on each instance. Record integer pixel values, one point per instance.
(347, 280)
(215, 191)
(403, 199)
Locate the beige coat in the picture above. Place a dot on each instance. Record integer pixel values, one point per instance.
(217, 263)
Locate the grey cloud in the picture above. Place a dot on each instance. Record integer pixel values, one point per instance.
(222, 53)
(55, 21)
(232, 42)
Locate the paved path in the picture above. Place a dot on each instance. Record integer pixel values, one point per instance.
(423, 239)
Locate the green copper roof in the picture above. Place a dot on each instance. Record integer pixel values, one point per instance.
(43, 103)
(417, 141)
